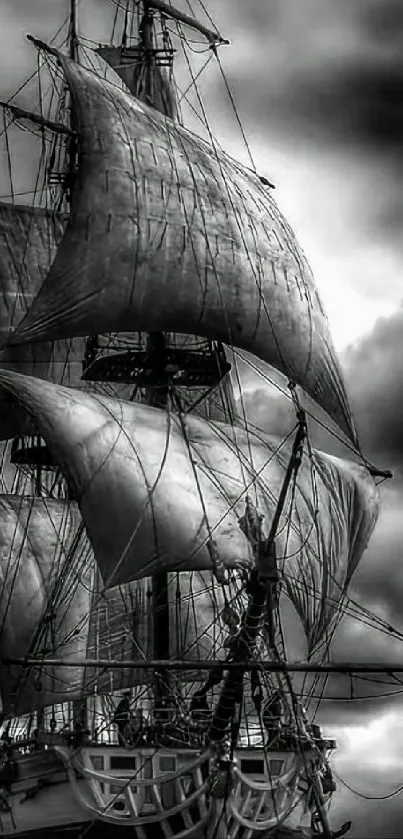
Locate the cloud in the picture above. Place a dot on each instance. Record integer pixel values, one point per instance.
(336, 70)
(322, 86)
(376, 747)
(374, 368)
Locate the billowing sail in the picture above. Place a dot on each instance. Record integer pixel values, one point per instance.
(45, 583)
(28, 241)
(168, 233)
(165, 492)
(53, 604)
(151, 84)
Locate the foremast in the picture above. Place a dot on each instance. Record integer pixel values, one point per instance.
(261, 588)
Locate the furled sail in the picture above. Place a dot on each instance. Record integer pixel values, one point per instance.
(28, 240)
(168, 233)
(166, 492)
(144, 79)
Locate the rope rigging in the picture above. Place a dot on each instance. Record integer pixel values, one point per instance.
(261, 588)
(256, 639)
(126, 8)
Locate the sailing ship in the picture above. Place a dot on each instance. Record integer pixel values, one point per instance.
(161, 558)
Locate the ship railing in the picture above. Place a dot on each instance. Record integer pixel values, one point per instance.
(138, 801)
(151, 796)
(260, 805)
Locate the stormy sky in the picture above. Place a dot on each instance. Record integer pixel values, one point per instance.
(319, 89)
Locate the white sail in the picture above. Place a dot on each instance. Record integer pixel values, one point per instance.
(170, 234)
(53, 604)
(45, 585)
(28, 240)
(158, 491)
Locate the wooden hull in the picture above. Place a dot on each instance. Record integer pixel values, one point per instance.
(96, 791)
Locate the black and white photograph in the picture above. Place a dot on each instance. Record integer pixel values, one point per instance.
(201, 435)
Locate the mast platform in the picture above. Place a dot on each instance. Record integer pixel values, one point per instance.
(179, 368)
(31, 451)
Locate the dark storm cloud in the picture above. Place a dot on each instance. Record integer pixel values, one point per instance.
(362, 105)
(334, 68)
(374, 371)
(329, 76)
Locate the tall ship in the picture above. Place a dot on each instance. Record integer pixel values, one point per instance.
(162, 559)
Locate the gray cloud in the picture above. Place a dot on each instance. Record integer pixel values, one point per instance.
(374, 369)
(337, 68)
(328, 77)
(371, 819)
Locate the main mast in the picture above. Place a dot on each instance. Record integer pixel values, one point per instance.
(73, 39)
(158, 397)
(147, 83)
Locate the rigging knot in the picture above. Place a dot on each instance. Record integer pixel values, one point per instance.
(265, 182)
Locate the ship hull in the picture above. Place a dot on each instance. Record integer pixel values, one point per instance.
(150, 794)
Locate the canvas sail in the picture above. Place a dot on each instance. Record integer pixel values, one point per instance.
(157, 491)
(28, 240)
(170, 234)
(54, 604)
(44, 599)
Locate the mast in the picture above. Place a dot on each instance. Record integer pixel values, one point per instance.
(73, 49)
(73, 39)
(158, 397)
(261, 589)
